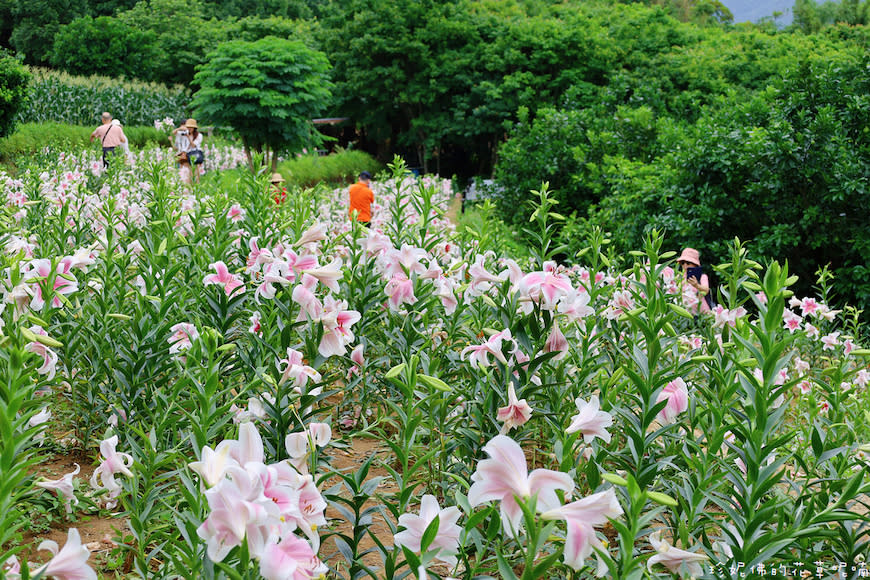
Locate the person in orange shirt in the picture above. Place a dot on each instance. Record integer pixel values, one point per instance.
(361, 199)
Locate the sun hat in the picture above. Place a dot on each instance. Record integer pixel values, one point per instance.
(276, 178)
(191, 123)
(365, 175)
(691, 256)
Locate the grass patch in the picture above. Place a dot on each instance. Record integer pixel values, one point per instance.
(478, 221)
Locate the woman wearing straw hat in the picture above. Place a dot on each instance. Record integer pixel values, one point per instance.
(278, 191)
(696, 294)
(188, 146)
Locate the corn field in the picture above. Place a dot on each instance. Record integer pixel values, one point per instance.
(63, 98)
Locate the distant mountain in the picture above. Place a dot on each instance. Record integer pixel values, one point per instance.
(753, 10)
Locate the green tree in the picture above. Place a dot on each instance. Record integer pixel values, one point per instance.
(13, 90)
(37, 21)
(183, 36)
(109, 7)
(107, 45)
(267, 91)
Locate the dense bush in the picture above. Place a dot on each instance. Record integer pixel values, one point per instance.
(786, 169)
(13, 90)
(74, 100)
(338, 168)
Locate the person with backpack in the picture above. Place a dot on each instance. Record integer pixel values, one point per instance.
(696, 291)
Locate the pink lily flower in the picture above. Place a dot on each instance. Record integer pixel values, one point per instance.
(236, 213)
(590, 420)
(294, 368)
(290, 559)
(337, 323)
(70, 563)
(213, 463)
(445, 289)
(830, 341)
(49, 357)
(544, 288)
(357, 355)
(676, 393)
(64, 282)
(310, 306)
(328, 275)
(433, 271)
(135, 248)
(222, 277)
(512, 271)
(64, 488)
(276, 272)
(674, 559)
(375, 243)
(481, 280)
(621, 302)
(557, 342)
(446, 540)
(113, 462)
(575, 305)
(183, 335)
(315, 233)
(239, 511)
(504, 476)
(40, 418)
(848, 347)
(809, 307)
(12, 568)
(479, 353)
(400, 290)
(257, 256)
(300, 263)
(517, 412)
(581, 517)
(80, 259)
(249, 447)
(791, 320)
(406, 261)
(256, 327)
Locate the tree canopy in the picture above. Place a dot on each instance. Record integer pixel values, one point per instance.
(267, 91)
(13, 90)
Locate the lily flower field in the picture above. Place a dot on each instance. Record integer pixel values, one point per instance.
(211, 359)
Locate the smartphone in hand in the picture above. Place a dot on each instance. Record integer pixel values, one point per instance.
(694, 272)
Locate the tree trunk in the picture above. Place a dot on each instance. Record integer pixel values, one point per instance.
(248, 154)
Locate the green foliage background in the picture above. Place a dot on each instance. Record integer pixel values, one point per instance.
(13, 90)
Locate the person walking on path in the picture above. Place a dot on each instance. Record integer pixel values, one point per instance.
(361, 199)
(110, 136)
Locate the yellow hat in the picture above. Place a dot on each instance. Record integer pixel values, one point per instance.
(191, 123)
(276, 178)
